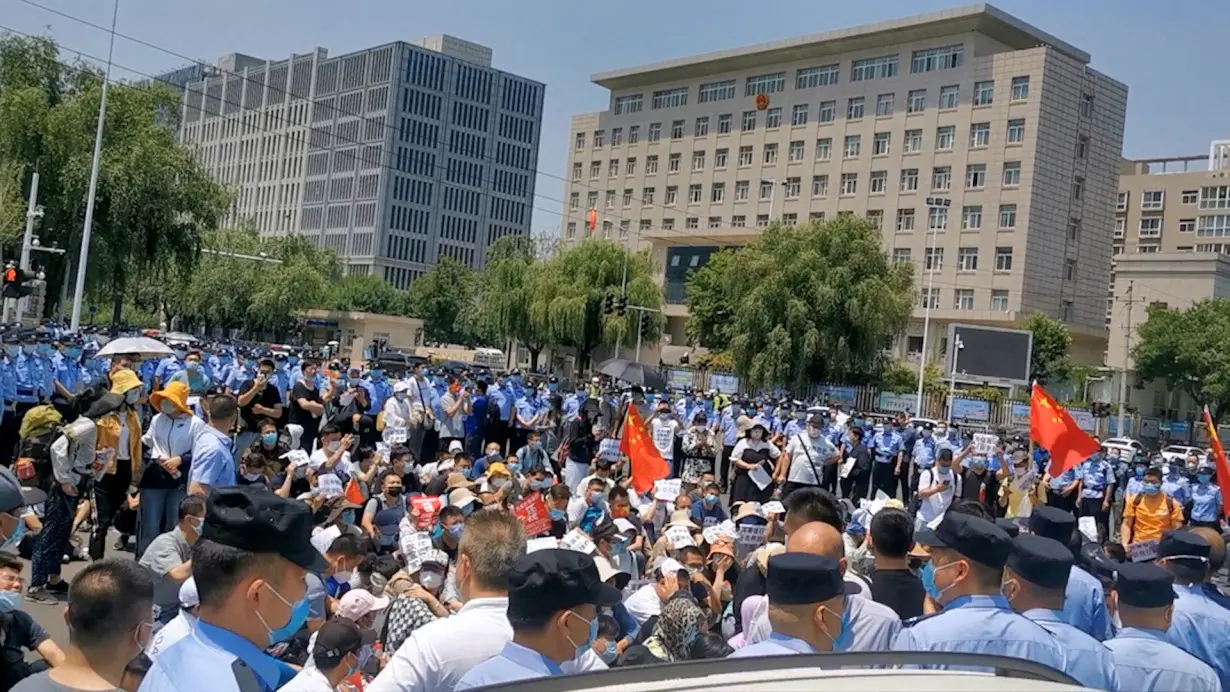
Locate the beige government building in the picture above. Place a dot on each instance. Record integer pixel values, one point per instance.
(987, 150)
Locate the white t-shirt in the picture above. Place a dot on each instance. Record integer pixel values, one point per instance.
(178, 628)
(798, 449)
(643, 603)
(309, 680)
(318, 459)
(664, 432)
(934, 507)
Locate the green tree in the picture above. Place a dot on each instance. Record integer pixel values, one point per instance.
(365, 293)
(709, 299)
(444, 299)
(902, 378)
(1048, 363)
(1183, 349)
(506, 289)
(802, 304)
(12, 208)
(569, 294)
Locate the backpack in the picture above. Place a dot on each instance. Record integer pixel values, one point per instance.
(1170, 505)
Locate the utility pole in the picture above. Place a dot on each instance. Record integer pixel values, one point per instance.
(1123, 371)
(932, 202)
(33, 211)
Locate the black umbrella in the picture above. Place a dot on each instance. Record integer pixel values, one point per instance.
(633, 372)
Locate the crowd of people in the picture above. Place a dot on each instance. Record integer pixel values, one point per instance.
(303, 523)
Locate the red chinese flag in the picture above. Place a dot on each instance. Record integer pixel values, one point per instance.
(1052, 427)
(1219, 458)
(647, 463)
(593, 219)
(354, 493)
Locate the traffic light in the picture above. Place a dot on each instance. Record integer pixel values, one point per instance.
(623, 305)
(16, 282)
(608, 306)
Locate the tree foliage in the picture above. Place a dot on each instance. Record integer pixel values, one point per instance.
(802, 304)
(444, 299)
(1049, 362)
(365, 293)
(902, 378)
(506, 288)
(1184, 348)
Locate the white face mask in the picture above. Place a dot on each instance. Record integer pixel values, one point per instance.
(168, 408)
(431, 580)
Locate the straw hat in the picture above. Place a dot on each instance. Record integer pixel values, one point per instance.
(681, 517)
(458, 480)
(606, 572)
(748, 509)
(176, 393)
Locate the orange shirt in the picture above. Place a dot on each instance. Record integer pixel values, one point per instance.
(1151, 516)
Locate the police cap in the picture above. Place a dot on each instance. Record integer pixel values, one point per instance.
(1042, 561)
(973, 537)
(1144, 585)
(802, 578)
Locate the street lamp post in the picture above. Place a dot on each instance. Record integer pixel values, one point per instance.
(932, 203)
(952, 375)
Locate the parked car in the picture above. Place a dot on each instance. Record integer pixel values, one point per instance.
(1126, 446)
(1178, 453)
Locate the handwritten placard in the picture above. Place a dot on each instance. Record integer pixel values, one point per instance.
(712, 534)
(383, 449)
(985, 443)
(773, 507)
(679, 537)
(296, 458)
(751, 535)
(396, 435)
(728, 529)
(578, 541)
(532, 512)
(329, 486)
(415, 548)
(667, 491)
(1143, 551)
(424, 508)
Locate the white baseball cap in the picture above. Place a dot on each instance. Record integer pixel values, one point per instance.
(188, 597)
(455, 447)
(359, 602)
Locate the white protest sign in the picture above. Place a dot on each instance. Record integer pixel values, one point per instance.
(296, 458)
(773, 507)
(578, 541)
(679, 537)
(544, 543)
(711, 534)
(329, 486)
(751, 534)
(728, 529)
(383, 449)
(1088, 528)
(1142, 551)
(396, 435)
(667, 491)
(415, 547)
(985, 443)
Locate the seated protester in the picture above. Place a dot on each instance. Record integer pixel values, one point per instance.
(340, 648)
(620, 501)
(384, 511)
(492, 455)
(358, 606)
(697, 491)
(446, 534)
(19, 632)
(606, 641)
(558, 497)
(493, 490)
(169, 558)
(662, 547)
(626, 627)
(402, 463)
(532, 456)
(262, 463)
(892, 582)
(752, 580)
(366, 465)
(448, 482)
(181, 626)
(416, 592)
(108, 617)
(721, 572)
(603, 470)
(679, 625)
(646, 602)
(344, 555)
(537, 480)
(700, 584)
(709, 511)
(710, 646)
(333, 455)
(589, 507)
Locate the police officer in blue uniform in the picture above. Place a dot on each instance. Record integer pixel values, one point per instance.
(249, 564)
(807, 604)
(887, 446)
(968, 555)
(1084, 605)
(1145, 656)
(1035, 580)
(1199, 625)
(1097, 477)
(1206, 508)
(923, 455)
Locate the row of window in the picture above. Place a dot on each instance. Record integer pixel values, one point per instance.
(1215, 197)
(963, 299)
(967, 258)
(885, 105)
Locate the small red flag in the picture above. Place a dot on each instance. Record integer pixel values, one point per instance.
(593, 219)
(1052, 427)
(1219, 459)
(353, 492)
(647, 463)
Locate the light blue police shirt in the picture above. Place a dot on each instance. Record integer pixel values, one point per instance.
(1089, 663)
(514, 662)
(1095, 474)
(1176, 485)
(1153, 664)
(982, 625)
(924, 453)
(1084, 605)
(775, 645)
(1206, 502)
(212, 659)
(502, 400)
(213, 459)
(1202, 628)
(887, 446)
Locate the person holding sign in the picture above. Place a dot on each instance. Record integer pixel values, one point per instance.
(1149, 514)
(754, 468)
(383, 514)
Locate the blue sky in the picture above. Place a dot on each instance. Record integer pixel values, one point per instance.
(1167, 53)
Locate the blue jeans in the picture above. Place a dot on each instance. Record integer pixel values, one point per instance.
(159, 513)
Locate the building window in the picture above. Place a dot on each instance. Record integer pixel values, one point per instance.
(909, 179)
(599, 139)
(1020, 88)
(796, 150)
(580, 141)
(975, 176)
(647, 195)
(933, 260)
(967, 259)
(1069, 270)
(610, 199)
(905, 220)
(1151, 200)
(739, 221)
(634, 134)
(591, 199)
(798, 114)
(884, 105)
(1119, 224)
(827, 112)
(1065, 310)
(878, 183)
(670, 98)
(1086, 106)
(770, 154)
(1007, 216)
(765, 84)
(724, 124)
(971, 217)
(668, 224)
(1187, 225)
(853, 146)
(901, 254)
(1016, 131)
(916, 101)
(745, 156)
(913, 141)
(576, 171)
(824, 149)
(677, 129)
(963, 299)
(630, 166)
(1121, 204)
(819, 186)
(999, 300)
(673, 163)
(874, 68)
(1147, 249)
(1012, 173)
(984, 93)
(1074, 231)
(719, 159)
(945, 138)
(655, 132)
(1078, 188)
(574, 201)
(672, 195)
(741, 188)
(572, 229)
(623, 228)
(716, 91)
(930, 298)
(1215, 197)
(979, 135)
(702, 127)
(715, 222)
(880, 144)
(854, 108)
(1003, 259)
(876, 217)
(773, 118)
(793, 186)
(766, 189)
(1151, 227)
(627, 197)
(937, 218)
(849, 184)
(612, 168)
(811, 77)
(941, 178)
(691, 223)
(651, 165)
(762, 220)
(931, 60)
(595, 169)
(695, 194)
(617, 136)
(698, 160)
(1082, 147)
(948, 97)
(749, 121)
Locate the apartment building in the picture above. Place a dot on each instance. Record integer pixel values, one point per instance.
(1008, 125)
(395, 156)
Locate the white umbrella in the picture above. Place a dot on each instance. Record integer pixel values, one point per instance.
(134, 345)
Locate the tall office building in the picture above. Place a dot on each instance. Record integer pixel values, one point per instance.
(395, 156)
(1006, 124)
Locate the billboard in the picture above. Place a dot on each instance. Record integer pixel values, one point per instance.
(989, 354)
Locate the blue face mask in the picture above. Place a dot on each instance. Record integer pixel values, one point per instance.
(180, 354)
(298, 615)
(539, 485)
(11, 601)
(349, 517)
(557, 514)
(711, 499)
(437, 531)
(270, 438)
(377, 375)
(250, 364)
(553, 386)
(1204, 477)
(610, 653)
(192, 366)
(293, 360)
(846, 637)
(619, 548)
(455, 530)
(1140, 472)
(72, 352)
(514, 468)
(1151, 488)
(593, 634)
(12, 351)
(28, 350)
(927, 575)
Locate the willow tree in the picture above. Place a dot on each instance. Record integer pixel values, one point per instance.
(506, 287)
